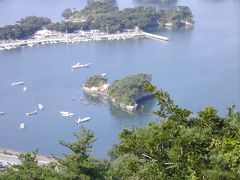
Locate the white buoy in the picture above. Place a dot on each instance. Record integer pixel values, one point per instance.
(104, 75)
(40, 106)
(24, 89)
(22, 126)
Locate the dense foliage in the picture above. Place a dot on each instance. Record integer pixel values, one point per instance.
(109, 18)
(24, 28)
(128, 89)
(112, 2)
(76, 165)
(95, 81)
(183, 146)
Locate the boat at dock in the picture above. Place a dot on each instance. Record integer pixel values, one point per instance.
(17, 83)
(66, 114)
(81, 120)
(31, 113)
(79, 65)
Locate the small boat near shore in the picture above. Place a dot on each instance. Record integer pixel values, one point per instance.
(66, 114)
(31, 113)
(81, 120)
(79, 65)
(17, 83)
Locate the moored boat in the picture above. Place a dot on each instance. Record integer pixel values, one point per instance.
(31, 113)
(17, 83)
(81, 120)
(40, 106)
(79, 65)
(22, 126)
(24, 89)
(66, 114)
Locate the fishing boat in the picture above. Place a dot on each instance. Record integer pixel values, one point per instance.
(79, 65)
(40, 106)
(81, 120)
(66, 114)
(22, 126)
(31, 113)
(17, 83)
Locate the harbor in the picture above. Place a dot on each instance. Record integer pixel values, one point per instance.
(48, 37)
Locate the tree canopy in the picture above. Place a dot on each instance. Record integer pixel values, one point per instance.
(127, 90)
(95, 81)
(24, 28)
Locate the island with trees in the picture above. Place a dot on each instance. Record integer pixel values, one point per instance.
(108, 18)
(124, 94)
(105, 16)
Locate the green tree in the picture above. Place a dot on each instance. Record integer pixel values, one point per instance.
(67, 13)
(30, 170)
(79, 164)
(184, 146)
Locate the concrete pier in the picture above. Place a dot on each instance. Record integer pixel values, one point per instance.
(156, 37)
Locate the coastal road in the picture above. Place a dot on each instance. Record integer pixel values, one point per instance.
(11, 157)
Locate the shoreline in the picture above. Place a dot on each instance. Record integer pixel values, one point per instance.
(10, 156)
(76, 37)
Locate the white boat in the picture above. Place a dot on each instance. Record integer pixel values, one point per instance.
(31, 113)
(17, 83)
(79, 65)
(66, 114)
(2, 113)
(40, 106)
(24, 89)
(22, 126)
(81, 120)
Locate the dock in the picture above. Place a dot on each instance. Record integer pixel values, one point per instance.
(75, 37)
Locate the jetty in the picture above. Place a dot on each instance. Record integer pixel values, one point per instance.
(154, 36)
(77, 37)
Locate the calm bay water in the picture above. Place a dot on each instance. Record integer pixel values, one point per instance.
(198, 67)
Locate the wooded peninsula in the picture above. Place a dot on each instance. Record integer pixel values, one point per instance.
(104, 16)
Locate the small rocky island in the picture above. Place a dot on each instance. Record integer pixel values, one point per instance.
(124, 94)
